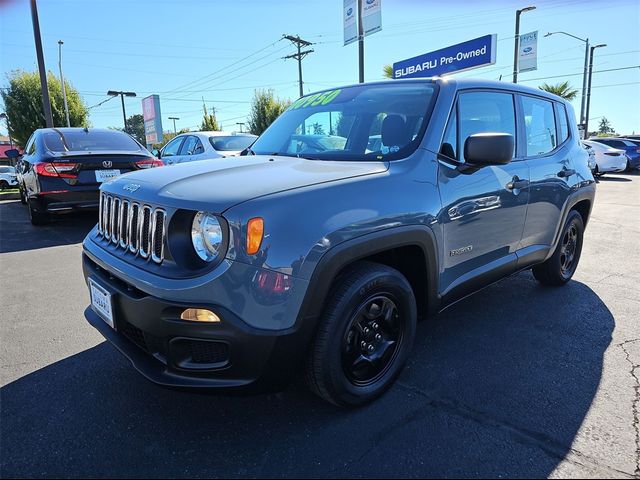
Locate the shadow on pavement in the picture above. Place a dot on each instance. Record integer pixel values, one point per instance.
(17, 234)
(609, 178)
(498, 385)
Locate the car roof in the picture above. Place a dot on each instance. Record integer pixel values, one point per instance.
(460, 84)
(64, 130)
(221, 134)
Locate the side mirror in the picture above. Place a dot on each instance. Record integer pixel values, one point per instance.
(13, 153)
(489, 149)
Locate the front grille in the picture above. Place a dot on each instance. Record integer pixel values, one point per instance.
(135, 227)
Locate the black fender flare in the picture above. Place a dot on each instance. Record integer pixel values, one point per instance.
(350, 251)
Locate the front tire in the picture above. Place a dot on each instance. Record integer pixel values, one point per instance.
(365, 335)
(561, 266)
(3, 185)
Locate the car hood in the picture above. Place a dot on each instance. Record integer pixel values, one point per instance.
(217, 186)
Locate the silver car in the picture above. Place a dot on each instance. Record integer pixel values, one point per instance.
(192, 146)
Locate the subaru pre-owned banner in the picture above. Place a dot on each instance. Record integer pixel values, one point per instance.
(371, 16)
(528, 52)
(457, 58)
(350, 18)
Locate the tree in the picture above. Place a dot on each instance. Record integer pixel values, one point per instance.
(23, 104)
(318, 129)
(265, 108)
(605, 128)
(135, 126)
(387, 71)
(562, 89)
(167, 137)
(209, 121)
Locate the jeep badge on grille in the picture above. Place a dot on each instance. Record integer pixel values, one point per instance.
(131, 187)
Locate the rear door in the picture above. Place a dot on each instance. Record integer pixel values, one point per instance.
(548, 147)
(484, 209)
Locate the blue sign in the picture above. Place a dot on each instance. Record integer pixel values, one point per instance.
(456, 58)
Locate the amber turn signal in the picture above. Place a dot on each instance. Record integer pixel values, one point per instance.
(199, 315)
(255, 231)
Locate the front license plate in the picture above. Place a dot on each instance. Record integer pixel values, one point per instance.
(104, 175)
(101, 302)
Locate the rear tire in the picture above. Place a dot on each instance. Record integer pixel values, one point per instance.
(3, 185)
(37, 218)
(23, 198)
(364, 337)
(561, 266)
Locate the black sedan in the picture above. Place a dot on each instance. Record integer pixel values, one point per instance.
(62, 168)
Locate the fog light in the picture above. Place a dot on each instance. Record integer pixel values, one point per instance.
(199, 315)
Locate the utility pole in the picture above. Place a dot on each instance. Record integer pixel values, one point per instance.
(114, 93)
(241, 124)
(299, 43)
(64, 90)
(586, 117)
(360, 44)
(516, 46)
(46, 102)
(174, 124)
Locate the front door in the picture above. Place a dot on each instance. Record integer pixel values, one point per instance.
(483, 210)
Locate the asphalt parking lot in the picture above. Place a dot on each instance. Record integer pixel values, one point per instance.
(515, 381)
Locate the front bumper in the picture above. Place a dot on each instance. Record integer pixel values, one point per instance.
(172, 352)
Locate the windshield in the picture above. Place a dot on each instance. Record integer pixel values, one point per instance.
(369, 122)
(232, 142)
(7, 170)
(88, 141)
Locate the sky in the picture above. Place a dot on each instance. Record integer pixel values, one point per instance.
(222, 50)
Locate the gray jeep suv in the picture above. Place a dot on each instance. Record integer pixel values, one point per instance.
(357, 212)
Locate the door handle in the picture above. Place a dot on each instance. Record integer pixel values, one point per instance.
(566, 172)
(517, 184)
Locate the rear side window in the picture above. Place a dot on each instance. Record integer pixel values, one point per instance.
(563, 125)
(540, 126)
(189, 146)
(482, 112)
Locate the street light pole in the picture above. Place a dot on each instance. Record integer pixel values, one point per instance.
(516, 46)
(360, 45)
(241, 124)
(64, 90)
(114, 93)
(46, 102)
(586, 117)
(174, 124)
(584, 75)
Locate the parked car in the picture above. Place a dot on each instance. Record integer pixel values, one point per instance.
(607, 159)
(631, 150)
(189, 147)
(8, 177)
(591, 162)
(244, 273)
(62, 168)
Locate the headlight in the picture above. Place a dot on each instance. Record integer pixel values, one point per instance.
(206, 236)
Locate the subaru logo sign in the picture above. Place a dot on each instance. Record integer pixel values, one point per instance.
(527, 50)
(107, 164)
(131, 187)
(369, 2)
(349, 12)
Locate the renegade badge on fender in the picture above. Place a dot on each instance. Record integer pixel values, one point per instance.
(358, 211)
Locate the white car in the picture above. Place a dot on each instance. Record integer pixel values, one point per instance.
(607, 159)
(192, 146)
(8, 178)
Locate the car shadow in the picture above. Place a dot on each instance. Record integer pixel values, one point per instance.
(609, 178)
(17, 234)
(498, 385)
